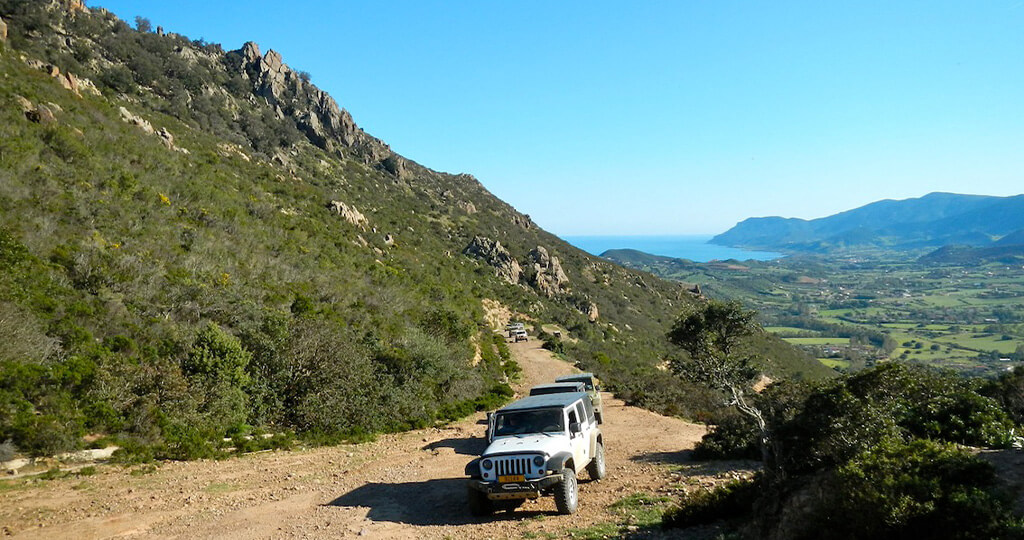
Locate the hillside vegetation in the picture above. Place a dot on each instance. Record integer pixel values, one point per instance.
(198, 243)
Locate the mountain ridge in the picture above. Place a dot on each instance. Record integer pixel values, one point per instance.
(930, 221)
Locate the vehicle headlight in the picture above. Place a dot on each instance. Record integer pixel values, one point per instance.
(487, 464)
(538, 461)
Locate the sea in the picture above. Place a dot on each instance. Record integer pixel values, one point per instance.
(693, 247)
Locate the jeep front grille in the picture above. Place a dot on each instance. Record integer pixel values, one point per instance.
(514, 465)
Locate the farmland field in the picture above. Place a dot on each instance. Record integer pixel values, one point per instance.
(855, 310)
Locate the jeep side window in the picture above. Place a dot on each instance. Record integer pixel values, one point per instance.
(580, 411)
(588, 406)
(573, 419)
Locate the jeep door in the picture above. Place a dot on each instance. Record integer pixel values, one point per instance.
(581, 447)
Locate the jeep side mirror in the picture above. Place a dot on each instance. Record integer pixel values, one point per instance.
(575, 427)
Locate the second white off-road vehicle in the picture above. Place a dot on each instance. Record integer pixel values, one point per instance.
(538, 446)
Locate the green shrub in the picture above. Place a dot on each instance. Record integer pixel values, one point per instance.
(920, 489)
(733, 437)
(701, 507)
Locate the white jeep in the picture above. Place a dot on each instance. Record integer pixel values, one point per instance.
(538, 446)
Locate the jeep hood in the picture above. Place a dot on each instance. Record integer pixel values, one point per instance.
(544, 444)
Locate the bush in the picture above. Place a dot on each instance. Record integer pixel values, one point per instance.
(8, 450)
(920, 489)
(702, 507)
(733, 437)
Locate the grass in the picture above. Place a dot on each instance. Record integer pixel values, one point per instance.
(835, 363)
(636, 512)
(219, 487)
(817, 340)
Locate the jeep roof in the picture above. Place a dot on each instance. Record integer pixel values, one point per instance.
(545, 401)
(587, 378)
(553, 388)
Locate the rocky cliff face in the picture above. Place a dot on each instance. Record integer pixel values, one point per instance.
(494, 254)
(315, 112)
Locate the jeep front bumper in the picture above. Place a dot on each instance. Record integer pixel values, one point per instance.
(528, 489)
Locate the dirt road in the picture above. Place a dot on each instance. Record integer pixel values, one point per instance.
(408, 485)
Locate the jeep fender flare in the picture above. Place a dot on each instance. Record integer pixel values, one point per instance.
(557, 462)
(473, 469)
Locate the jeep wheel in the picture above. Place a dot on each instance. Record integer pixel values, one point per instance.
(596, 469)
(479, 504)
(567, 493)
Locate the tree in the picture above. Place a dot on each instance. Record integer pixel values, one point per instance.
(710, 333)
(142, 24)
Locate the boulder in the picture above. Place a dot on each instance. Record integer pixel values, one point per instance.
(69, 82)
(25, 104)
(349, 213)
(389, 239)
(3, 30)
(130, 118)
(250, 52)
(592, 312)
(522, 220)
(167, 138)
(547, 277)
(41, 115)
(395, 165)
(494, 254)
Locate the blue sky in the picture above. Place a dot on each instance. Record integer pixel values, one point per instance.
(675, 117)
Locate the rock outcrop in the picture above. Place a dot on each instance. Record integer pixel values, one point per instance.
(495, 255)
(67, 80)
(592, 312)
(547, 276)
(3, 30)
(315, 112)
(138, 121)
(349, 214)
(522, 220)
(165, 136)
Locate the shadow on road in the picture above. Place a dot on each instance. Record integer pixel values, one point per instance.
(431, 502)
(472, 446)
(665, 458)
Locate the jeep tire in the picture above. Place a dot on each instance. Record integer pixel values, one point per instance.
(567, 496)
(596, 469)
(479, 504)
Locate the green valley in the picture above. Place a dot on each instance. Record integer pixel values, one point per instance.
(855, 309)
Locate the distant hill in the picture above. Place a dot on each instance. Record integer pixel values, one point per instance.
(967, 255)
(935, 220)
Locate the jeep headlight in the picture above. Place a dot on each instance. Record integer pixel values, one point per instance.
(487, 464)
(538, 461)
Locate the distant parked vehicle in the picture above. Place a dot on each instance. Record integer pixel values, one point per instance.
(520, 335)
(593, 390)
(557, 388)
(512, 328)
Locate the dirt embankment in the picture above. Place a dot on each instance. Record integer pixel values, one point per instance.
(408, 485)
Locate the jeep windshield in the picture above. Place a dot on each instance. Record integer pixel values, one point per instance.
(526, 422)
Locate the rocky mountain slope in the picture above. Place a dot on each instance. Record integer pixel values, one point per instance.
(198, 243)
(937, 219)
